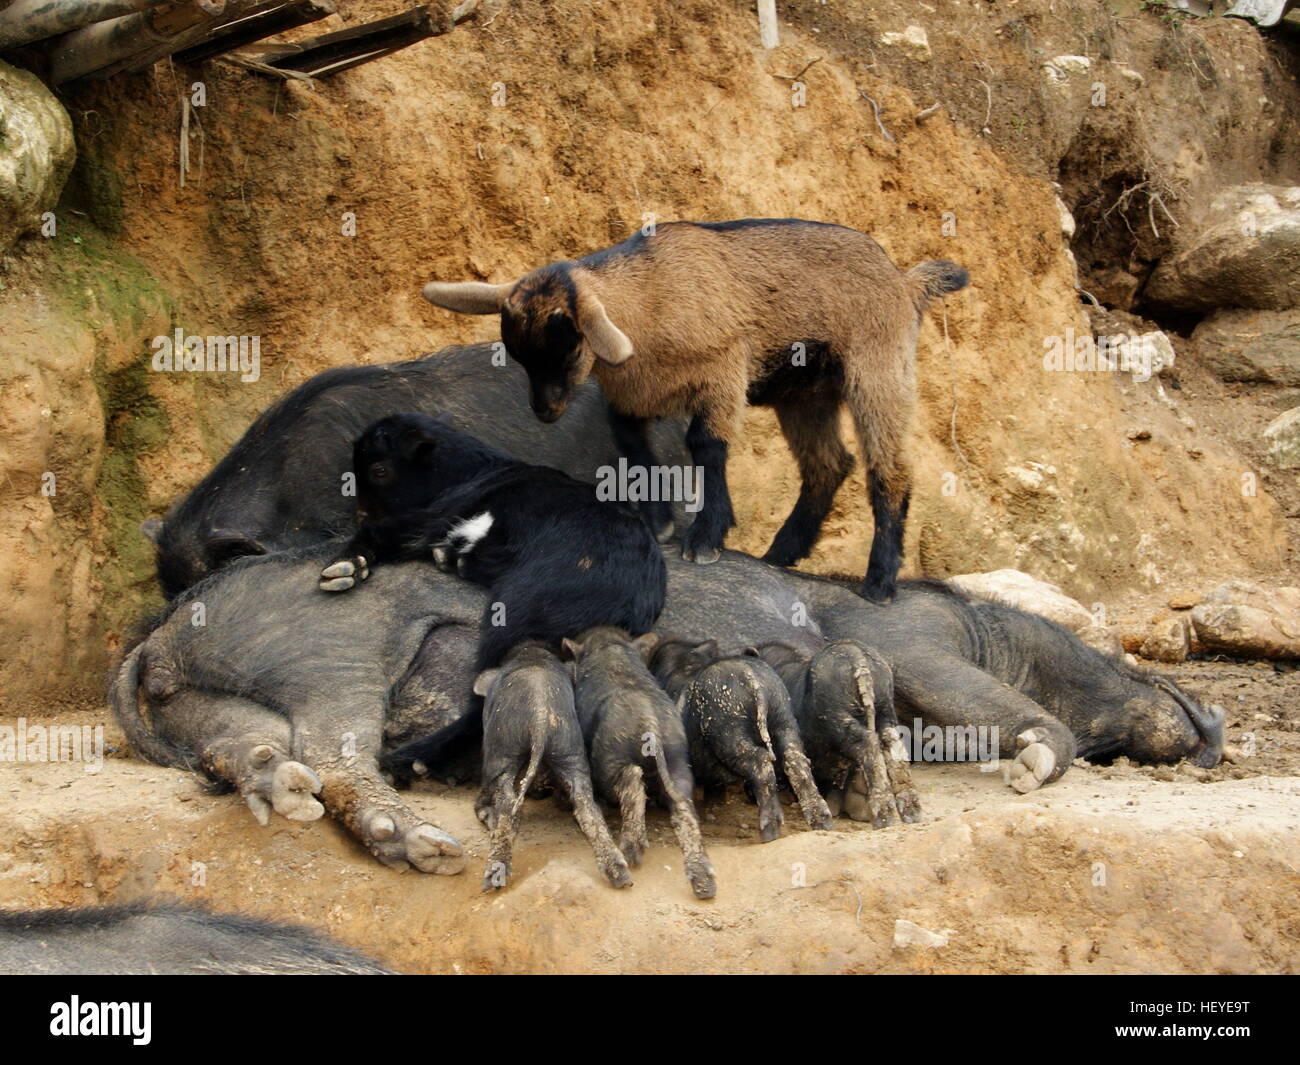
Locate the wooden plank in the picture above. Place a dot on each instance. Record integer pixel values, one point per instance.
(243, 31)
(332, 53)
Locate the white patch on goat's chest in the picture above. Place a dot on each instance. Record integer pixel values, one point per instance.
(467, 532)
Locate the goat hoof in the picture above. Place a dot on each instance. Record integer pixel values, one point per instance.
(343, 573)
(703, 556)
(666, 533)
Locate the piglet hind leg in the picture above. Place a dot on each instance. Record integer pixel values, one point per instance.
(788, 748)
(677, 783)
(629, 787)
(355, 794)
(498, 808)
(575, 782)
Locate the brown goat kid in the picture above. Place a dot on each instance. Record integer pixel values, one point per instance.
(700, 319)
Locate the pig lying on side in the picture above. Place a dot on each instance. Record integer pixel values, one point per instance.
(740, 726)
(316, 677)
(166, 940)
(633, 732)
(529, 723)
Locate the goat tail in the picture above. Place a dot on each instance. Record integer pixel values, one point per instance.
(935, 279)
(125, 700)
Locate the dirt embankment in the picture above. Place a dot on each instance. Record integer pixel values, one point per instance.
(611, 114)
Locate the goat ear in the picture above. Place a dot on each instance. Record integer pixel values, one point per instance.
(467, 297)
(152, 528)
(609, 343)
(483, 682)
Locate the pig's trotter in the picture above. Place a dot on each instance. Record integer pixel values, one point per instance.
(630, 790)
(268, 780)
(293, 792)
(798, 772)
(611, 861)
(391, 832)
(343, 573)
(900, 775)
(1035, 764)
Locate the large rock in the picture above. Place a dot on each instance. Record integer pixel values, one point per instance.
(1250, 621)
(36, 152)
(1282, 435)
(1244, 252)
(1018, 589)
(1168, 641)
(1251, 345)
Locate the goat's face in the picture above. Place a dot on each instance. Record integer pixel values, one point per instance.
(539, 328)
(551, 324)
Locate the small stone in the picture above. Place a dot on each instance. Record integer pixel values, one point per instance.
(908, 934)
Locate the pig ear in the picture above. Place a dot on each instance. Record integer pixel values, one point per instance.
(571, 648)
(467, 297)
(750, 652)
(152, 528)
(225, 545)
(645, 645)
(708, 647)
(609, 343)
(483, 682)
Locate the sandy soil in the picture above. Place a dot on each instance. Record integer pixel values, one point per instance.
(1113, 869)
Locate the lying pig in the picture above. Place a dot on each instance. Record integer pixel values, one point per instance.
(740, 726)
(166, 939)
(529, 723)
(282, 484)
(632, 731)
(258, 681)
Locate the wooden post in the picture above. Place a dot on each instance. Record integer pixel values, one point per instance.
(25, 21)
(767, 27)
(107, 47)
